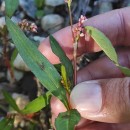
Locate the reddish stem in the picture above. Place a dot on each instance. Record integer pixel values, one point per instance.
(75, 70)
(71, 23)
(75, 47)
(75, 62)
(6, 60)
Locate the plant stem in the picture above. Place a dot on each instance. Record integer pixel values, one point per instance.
(75, 63)
(6, 59)
(71, 22)
(75, 47)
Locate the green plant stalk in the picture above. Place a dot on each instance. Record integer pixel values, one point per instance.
(71, 21)
(74, 45)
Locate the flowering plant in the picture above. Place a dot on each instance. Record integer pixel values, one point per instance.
(57, 85)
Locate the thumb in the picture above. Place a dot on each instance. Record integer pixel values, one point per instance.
(106, 100)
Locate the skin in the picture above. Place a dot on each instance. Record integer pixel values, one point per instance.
(116, 26)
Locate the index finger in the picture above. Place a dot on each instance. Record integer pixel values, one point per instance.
(115, 25)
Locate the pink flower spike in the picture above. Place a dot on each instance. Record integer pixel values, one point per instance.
(27, 26)
(82, 19)
(33, 27)
(79, 30)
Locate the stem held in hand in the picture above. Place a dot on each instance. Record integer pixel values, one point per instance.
(74, 42)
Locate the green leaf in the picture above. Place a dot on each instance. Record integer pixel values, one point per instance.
(107, 47)
(64, 78)
(103, 42)
(11, 6)
(58, 51)
(39, 65)
(11, 101)
(37, 104)
(125, 70)
(6, 124)
(67, 120)
(61, 95)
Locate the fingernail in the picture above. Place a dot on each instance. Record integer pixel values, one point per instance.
(86, 97)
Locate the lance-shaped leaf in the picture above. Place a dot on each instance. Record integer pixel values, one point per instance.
(11, 101)
(63, 93)
(37, 104)
(39, 65)
(103, 42)
(11, 6)
(107, 47)
(67, 120)
(58, 51)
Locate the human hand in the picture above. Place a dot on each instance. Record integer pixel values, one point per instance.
(106, 99)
